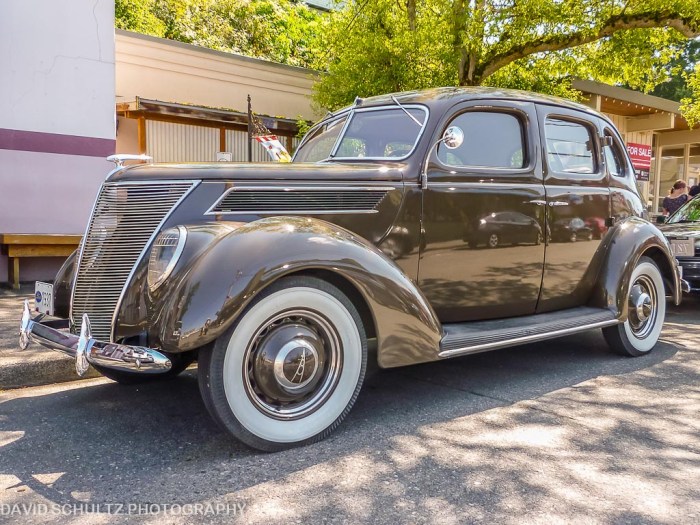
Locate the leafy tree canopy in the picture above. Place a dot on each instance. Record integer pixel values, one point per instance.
(384, 46)
(278, 30)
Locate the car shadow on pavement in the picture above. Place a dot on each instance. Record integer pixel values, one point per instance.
(424, 426)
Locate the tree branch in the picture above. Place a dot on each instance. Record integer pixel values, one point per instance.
(689, 27)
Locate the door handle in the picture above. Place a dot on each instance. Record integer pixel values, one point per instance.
(558, 203)
(538, 202)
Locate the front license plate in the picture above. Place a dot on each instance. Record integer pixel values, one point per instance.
(683, 247)
(43, 298)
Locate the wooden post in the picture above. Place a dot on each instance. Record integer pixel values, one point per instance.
(142, 134)
(222, 139)
(13, 271)
(250, 131)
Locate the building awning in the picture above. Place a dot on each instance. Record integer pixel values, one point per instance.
(201, 115)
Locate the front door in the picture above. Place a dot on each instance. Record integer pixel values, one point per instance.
(578, 205)
(483, 221)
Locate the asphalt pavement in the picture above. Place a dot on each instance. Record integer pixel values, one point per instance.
(555, 432)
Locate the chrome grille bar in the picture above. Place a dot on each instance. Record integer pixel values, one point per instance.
(124, 220)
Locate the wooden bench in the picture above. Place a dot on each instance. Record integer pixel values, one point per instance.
(18, 245)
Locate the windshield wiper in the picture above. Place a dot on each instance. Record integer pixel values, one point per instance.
(406, 111)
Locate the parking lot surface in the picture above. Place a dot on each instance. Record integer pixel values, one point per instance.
(555, 432)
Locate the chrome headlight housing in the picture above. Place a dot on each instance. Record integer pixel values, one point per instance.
(165, 252)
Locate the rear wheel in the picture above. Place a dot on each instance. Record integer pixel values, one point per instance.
(647, 310)
(288, 371)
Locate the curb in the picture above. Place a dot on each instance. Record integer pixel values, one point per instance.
(31, 368)
(35, 366)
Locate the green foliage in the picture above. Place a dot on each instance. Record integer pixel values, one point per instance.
(137, 15)
(678, 70)
(541, 45)
(690, 105)
(303, 125)
(278, 30)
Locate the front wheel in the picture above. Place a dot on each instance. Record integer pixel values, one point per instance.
(288, 371)
(647, 310)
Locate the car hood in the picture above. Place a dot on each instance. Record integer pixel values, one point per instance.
(686, 229)
(268, 171)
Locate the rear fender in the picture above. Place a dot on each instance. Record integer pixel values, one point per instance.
(623, 246)
(236, 261)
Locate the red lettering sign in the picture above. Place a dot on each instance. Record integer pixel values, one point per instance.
(640, 155)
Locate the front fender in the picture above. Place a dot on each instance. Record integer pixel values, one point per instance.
(623, 246)
(204, 296)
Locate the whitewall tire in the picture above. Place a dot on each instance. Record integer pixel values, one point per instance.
(646, 312)
(288, 371)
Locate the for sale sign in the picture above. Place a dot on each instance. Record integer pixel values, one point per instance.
(641, 159)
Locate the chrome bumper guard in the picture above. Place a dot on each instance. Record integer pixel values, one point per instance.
(86, 350)
(685, 286)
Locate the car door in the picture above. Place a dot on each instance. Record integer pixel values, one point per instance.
(577, 188)
(478, 260)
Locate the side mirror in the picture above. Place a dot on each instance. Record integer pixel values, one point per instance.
(453, 137)
(660, 219)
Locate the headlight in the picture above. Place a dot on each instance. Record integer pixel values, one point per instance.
(165, 252)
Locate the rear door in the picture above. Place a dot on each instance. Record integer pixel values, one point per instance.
(578, 196)
(483, 214)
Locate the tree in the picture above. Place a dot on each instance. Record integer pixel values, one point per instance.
(396, 45)
(679, 71)
(278, 30)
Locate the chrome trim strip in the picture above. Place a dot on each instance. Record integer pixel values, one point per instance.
(486, 184)
(194, 183)
(293, 188)
(525, 339)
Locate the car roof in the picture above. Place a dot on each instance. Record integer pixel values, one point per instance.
(447, 96)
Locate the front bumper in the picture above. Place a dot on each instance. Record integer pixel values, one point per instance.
(691, 273)
(86, 350)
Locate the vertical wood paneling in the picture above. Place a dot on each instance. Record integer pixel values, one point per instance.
(170, 142)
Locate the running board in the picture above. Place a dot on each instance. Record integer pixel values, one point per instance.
(480, 336)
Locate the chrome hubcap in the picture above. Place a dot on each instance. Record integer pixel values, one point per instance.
(292, 364)
(642, 307)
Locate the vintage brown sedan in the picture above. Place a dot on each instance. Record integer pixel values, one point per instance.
(375, 246)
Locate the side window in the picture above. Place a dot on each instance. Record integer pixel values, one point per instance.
(614, 158)
(569, 147)
(319, 145)
(491, 140)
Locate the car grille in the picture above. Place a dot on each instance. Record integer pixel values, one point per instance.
(300, 200)
(123, 220)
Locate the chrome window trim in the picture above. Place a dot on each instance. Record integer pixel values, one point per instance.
(211, 211)
(194, 184)
(344, 114)
(350, 113)
(525, 128)
(425, 110)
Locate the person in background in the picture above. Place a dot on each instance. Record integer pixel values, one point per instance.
(694, 190)
(677, 197)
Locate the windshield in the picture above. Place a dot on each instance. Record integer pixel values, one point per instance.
(383, 133)
(689, 212)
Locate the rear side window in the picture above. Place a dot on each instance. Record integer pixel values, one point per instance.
(491, 140)
(569, 147)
